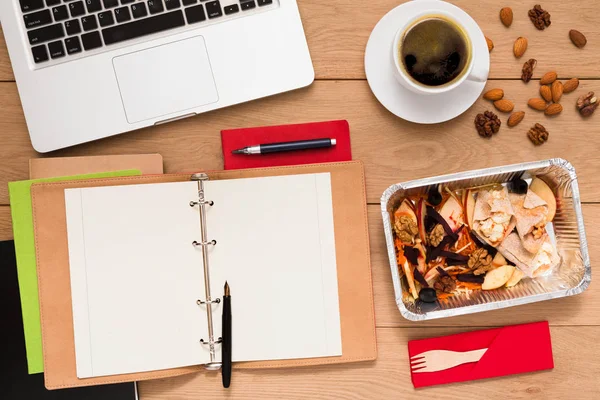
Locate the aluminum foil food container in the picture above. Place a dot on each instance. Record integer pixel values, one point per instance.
(572, 276)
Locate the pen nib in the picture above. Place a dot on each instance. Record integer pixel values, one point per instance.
(226, 289)
(239, 151)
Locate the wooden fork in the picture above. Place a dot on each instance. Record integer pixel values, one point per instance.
(439, 360)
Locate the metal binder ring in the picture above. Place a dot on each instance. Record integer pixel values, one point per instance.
(198, 244)
(201, 302)
(195, 203)
(219, 340)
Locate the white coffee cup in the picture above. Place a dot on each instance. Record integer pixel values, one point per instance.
(469, 71)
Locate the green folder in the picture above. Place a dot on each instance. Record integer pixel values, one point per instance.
(22, 220)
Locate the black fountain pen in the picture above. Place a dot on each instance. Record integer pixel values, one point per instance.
(286, 146)
(226, 344)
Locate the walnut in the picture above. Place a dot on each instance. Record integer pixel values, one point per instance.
(538, 134)
(445, 284)
(487, 124)
(527, 72)
(539, 17)
(406, 228)
(481, 261)
(587, 104)
(437, 235)
(538, 231)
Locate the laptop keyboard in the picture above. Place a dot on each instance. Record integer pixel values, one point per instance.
(63, 28)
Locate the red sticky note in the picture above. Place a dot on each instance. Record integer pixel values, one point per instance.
(233, 139)
(511, 350)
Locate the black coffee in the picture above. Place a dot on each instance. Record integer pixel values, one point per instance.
(434, 51)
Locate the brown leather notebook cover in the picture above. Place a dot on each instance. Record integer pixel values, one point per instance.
(148, 164)
(353, 263)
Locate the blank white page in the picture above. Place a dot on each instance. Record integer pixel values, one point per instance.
(135, 278)
(276, 248)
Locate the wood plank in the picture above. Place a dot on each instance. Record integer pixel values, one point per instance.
(583, 309)
(6, 72)
(337, 32)
(6, 232)
(393, 150)
(574, 352)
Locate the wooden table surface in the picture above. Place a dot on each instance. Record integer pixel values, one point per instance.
(392, 151)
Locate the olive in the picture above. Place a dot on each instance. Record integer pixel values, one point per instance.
(428, 295)
(518, 186)
(434, 197)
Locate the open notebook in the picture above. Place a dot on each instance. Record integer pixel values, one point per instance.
(137, 278)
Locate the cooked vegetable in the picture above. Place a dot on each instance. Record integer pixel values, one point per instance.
(454, 256)
(420, 278)
(411, 254)
(431, 212)
(472, 278)
(410, 279)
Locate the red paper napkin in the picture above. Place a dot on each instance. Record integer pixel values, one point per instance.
(511, 350)
(233, 139)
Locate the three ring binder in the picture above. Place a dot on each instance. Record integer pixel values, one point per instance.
(203, 244)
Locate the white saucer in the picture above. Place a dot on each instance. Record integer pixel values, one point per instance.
(422, 109)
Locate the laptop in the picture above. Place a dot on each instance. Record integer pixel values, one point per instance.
(88, 69)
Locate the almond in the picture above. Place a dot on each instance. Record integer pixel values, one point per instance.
(577, 38)
(504, 105)
(494, 94)
(490, 44)
(553, 109)
(548, 78)
(515, 118)
(546, 93)
(506, 16)
(557, 91)
(537, 104)
(520, 47)
(570, 85)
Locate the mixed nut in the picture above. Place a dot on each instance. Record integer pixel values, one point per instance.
(551, 89)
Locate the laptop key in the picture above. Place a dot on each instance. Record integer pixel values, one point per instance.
(91, 40)
(93, 6)
(139, 10)
(60, 13)
(155, 6)
(232, 9)
(110, 3)
(172, 4)
(57, 49)
(195, 14)
(248, 5)
(189, 2)
(143, 27)
(122, 14)
(77, 9)
(46, 34)
(38, 18)
(73, 27)
(127, 1)
(31, 5)
(89, 23)
(73, 45)
(51, 3)
(40, 54)
(264, 2)
(106, 18)
(213, 9)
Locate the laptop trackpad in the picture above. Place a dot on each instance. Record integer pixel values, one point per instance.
(164, 80)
